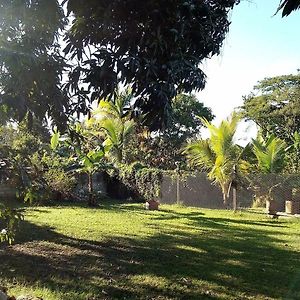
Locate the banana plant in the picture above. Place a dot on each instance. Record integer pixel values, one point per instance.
(85, 150)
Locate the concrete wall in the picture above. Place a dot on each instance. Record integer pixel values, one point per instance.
(7, 192)
(198, 191)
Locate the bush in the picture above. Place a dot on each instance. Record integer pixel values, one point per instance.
(144, 182)
(60, 182)
(9, 219)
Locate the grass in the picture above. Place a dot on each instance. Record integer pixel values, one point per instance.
(121, 251)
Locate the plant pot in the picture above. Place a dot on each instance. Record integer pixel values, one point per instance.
(271, 207)
(152, 205)
(292, 207)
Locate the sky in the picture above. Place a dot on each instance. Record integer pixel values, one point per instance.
(258, 45)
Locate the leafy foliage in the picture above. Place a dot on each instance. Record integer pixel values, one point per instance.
(267, 175)
(83, 147)
(112, 118)
(143, 182)
(30, 62)
(9, 219)
(274, 106)
(270, 154)
(153, 47)
(163, 149)
(184, 123)
(219, 155)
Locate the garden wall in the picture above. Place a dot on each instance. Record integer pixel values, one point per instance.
(7, 192)
(198, 191)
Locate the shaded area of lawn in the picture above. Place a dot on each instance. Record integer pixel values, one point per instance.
(190, 254)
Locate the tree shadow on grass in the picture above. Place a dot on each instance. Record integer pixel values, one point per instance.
(214, 261)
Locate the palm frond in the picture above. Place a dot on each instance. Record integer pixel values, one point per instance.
(200, 154)
(270, 154)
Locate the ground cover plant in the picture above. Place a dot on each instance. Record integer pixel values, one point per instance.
(121, 251)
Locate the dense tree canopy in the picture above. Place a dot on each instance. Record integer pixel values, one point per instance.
(30, 64)
(274, 106)
(155, 48)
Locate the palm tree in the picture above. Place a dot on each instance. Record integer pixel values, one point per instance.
(113, 118)
(220, 156)
(117, 132)
(270, 154)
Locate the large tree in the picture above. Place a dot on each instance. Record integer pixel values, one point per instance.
(274, 106)
(30, 63)
(155, 46)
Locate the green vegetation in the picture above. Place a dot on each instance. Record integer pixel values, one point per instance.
(274, 106)
(219, 155)
(122, 251)
(158, 56)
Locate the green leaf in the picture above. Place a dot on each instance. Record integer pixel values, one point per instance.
(55, 140)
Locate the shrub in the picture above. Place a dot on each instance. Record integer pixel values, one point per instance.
(59, 181)
(144, 182)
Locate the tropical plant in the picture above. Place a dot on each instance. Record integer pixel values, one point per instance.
(270, 154)
(220, 156)
(112, 118)
(85, 150)
(270, 159)
(9, 219)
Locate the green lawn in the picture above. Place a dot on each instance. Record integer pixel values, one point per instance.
(121, 251)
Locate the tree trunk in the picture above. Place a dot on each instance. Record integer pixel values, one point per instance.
(178, 190)
(119, 155)
(91, 201)
(225, 200)
(234, 198)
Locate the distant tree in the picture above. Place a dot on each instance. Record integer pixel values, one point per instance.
(275, 107)
(185, 122)
(163, 148)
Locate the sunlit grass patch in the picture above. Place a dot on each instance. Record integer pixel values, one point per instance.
(121, 251)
